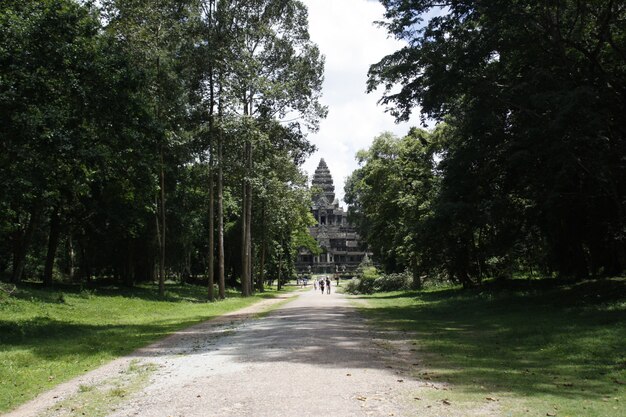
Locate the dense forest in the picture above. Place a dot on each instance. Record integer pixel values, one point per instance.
(143, 140)
(525, 173)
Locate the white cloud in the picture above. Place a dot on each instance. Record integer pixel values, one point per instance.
(347, 36)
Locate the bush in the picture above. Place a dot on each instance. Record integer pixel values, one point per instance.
(364, 284)
(393, 282)
(370, 281)
(352, 286)
(360, 286)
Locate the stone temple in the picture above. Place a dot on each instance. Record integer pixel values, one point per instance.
(341, 245)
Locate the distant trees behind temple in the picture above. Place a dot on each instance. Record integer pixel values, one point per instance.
(526, 171)
(143, 140)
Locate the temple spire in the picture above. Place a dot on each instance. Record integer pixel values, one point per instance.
(324, 180)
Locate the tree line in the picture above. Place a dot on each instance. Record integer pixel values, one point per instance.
(146, 139)
(525, 172)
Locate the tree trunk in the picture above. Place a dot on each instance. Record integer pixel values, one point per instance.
(162, 231)
(262, 246)
(220, 206)
(417, 280)
(244, 268)
(244, 232)
(21, 244)
(249, 222)
(53, 243)
(279, 285)
(210, 266)
(261, 280)
(71, 257)
(129, 270)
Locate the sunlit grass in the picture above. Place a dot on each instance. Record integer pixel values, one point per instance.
(541, 347)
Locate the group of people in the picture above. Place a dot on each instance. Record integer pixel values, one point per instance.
(323, 283)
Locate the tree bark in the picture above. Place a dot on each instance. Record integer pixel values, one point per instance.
(21, 244)
(211, 258)
(279, 285)
(249, 222)
(53, 243)
(417, 280)
(244, 232)
(262, 246)
(220, 204)
(71, 256)
(261, 280)
(162, 231)
(129, 270)
(210, 263)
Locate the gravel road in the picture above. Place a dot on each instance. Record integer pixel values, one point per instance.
(314, 356)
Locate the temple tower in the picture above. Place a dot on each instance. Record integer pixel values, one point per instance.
(323, 180)
(342, 249)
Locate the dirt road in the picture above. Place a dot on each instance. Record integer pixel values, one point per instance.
(314, 356)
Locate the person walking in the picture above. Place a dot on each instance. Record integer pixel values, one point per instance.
(327, 285)
(322, 285)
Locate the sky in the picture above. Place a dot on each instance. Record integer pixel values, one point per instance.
(346, 34)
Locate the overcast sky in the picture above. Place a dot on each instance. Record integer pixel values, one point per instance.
(351, 42)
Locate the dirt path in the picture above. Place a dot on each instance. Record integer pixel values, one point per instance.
(314, 356)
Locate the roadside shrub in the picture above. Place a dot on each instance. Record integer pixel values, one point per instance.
(360, 286)
(365, 283)
(370, 281)
(393, 282)
(352, 286)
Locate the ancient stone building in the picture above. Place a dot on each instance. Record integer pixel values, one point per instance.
(341, 245)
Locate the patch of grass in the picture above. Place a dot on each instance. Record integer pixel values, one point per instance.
(47, 337)
(100, 400)
(537, 348)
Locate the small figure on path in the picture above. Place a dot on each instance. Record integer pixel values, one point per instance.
(337, 278)
(315, 284)
(322, 285)
(327, 285)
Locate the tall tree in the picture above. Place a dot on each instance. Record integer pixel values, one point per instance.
(391, 196)
(273, 69)
(154, 30)
(533, 93)
(46, 85)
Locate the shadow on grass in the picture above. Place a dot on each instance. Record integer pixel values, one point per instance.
(33, 318)
(563, 340)
(147, 292)
(48, 338)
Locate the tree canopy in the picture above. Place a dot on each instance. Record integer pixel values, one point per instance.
(530, 163)
(123, 123)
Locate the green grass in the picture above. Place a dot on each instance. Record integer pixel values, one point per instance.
(539, 348)
(47, 337)
(103, 398)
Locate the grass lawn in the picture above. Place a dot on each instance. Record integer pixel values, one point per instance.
(534, 349)
(47, 337)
